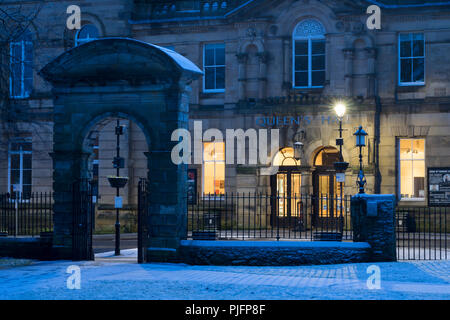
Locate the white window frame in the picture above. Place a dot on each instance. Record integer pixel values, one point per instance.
(23, 93)
(308, 38)
(399, 178)
(20, 153)
(215, 45)
(417, 83)
(214, 196)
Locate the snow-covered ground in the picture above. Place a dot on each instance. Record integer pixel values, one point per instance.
(122, 278)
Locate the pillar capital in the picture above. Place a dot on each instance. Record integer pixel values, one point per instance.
(263, 57)
(242, 57)
(348, 53)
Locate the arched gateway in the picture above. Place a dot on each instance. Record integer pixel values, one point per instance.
(126, 78)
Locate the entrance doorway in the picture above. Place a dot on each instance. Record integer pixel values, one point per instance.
(326, 190)
(286, 185)
(101, 145)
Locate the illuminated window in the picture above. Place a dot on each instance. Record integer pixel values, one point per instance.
(412, 169)
(285, 157)
(213, 168)
(327, 157)
(309, 55)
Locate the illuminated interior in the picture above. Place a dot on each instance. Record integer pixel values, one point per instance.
(285, 158)
(327, 183)
(213, 168)
(412, 168)
(327, 157)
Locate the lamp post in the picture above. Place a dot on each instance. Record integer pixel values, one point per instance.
(340, 166)
(117, 225)
(298, 150)
(118, 182)
(360, 135)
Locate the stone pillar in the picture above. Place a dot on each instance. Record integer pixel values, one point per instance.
(167, 206)
(67, 167)
(263, 59)
(371, 54)
(373, 221)
(348, 68)
(287, 74)
(167, 211)
(242, 61)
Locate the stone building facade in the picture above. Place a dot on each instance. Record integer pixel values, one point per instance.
(268, 65)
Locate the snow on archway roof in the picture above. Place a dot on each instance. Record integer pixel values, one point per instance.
(118, 57)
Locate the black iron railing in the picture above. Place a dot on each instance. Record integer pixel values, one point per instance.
(423, 233)
(26, 214)
(244, 216)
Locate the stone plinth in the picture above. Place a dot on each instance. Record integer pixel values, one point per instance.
(373, 220)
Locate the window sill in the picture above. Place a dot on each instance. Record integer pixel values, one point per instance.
(411, 84)
(213, 91)
(412, 201)
(308, 88)
(212, 94)
(20, 98)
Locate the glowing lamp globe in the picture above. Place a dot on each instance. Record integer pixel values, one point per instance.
(340, 109)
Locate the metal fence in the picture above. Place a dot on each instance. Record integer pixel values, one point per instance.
(245, 216)
(26, 214)
(423, 233)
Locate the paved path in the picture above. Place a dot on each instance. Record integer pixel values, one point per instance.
(106, 242)
(122, 278)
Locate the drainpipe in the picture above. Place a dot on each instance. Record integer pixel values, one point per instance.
(378, 110)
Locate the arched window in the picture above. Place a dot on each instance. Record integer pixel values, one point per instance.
(87, 33)
(21, 66)
(309, 54)
(326, 157)
(285, 157)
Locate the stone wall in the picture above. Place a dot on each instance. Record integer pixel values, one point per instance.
(270, 253)
(31, 248)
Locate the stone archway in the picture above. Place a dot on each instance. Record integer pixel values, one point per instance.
(123, 78)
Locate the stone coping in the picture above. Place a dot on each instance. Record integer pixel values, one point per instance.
(274, 244)
(21, 239)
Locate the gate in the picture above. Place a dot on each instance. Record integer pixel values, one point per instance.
(143, 228)
(422, 233)
(83, 218)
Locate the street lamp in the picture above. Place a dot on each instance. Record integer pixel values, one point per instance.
(340, 166)
(360, 135)
(340, 109)
(118, 182)
(298, 150)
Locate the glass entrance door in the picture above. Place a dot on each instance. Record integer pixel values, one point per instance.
(288, 191)
(325, 187)
(328, 191)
